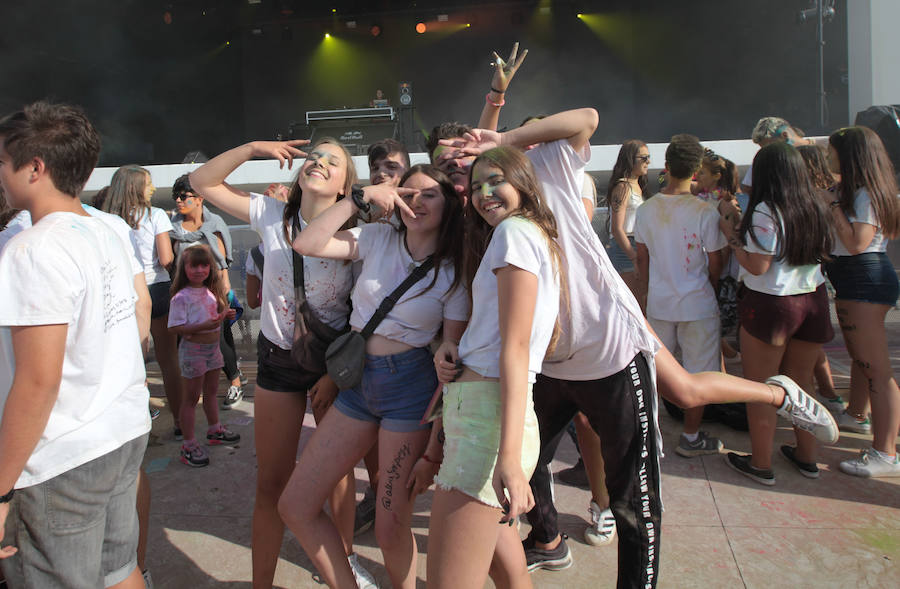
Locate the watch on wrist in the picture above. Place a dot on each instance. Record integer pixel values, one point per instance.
(6, 498)
(358, 196)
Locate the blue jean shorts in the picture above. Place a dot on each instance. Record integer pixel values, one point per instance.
(394, 392)
(80, 528)
(620, 261)
(868, 278)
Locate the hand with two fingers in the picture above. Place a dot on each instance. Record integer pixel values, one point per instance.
(387, 198)
(504, 71)
(283, 151)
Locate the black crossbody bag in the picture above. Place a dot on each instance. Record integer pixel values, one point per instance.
(346, 356)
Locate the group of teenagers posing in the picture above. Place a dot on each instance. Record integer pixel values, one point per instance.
(534, 324)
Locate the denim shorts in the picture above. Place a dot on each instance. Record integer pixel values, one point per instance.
(277, 371)
(394, 392)
(620, 261)
(868, 278)
(195, 359)
(472, 427)
(80, 528)
(159, 298)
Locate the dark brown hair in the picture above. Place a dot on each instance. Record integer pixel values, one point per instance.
(717, 164)
(444, 131)
(385, 147)
(125, 194)
(864, 163)
(683, 156)
(450, 237)
(817, 166)
(60, 135)
(781, 181)
(196, 255)
(625, 164)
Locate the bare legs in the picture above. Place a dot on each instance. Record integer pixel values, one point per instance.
(761, 360)
(589, 443)
(209, 385)
(278, 421)
(165, 347)
(465, 544)
(863, 327)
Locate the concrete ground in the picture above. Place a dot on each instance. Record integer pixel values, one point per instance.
(719, 529)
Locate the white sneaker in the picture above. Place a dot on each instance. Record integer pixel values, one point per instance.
(871, 464)
(835, 404)
(603, 526)
(804, 411)
(364, 578)
(233, 397)
(849, 423)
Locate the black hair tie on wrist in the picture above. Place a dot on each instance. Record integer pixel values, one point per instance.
(498, 91)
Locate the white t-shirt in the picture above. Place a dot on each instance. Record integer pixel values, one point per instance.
(74, 270)
(419, 314)
(678, 230)
(780, 279)
(603, 328)
(748, 177)
(327, 283)
(152, 223)
(22, 221)
(515, 242)
(863, 212)
(250, 265)
(191, 306)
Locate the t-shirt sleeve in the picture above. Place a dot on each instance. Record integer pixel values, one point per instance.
(250, 266)
(371, 238)
(160, 221)
(863, 211)
(516, 243)
(713, 238)
(748, 177)
(37, 289)
(763, 228)
(639, 215)
(457, 307)
(264, 211)
(177, 310)
(557, 163)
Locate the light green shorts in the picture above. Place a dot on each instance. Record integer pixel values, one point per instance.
(472, 429)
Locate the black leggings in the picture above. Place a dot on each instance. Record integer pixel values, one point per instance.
(618, 409)
(226, 343)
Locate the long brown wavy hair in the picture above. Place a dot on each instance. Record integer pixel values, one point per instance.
(196, 255)
(519, 172)
(865, 164)
(292, 207)
(125, 194)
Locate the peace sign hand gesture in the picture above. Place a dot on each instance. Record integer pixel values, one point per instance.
(283, 151)
(504, 71)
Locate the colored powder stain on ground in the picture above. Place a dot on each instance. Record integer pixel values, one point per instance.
(885, 541)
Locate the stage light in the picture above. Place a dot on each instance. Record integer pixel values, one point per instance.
(578, 15)
(333, 10)
(468, 25)
(375, 30)
(327, 36)
(421, 28)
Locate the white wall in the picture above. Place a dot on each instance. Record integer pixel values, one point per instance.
(873, 51)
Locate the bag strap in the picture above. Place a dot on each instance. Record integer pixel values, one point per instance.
(258, 258)
(389, 301)
(298, 265)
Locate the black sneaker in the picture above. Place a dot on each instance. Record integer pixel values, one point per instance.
(575, 476)
(222, 436)
(365, 513)
(233, 397)
(763, 476)
(553, 560)
(178, 435)
(194, 455)
(808, 469)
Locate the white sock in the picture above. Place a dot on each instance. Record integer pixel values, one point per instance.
(691, 437)
(887, 457)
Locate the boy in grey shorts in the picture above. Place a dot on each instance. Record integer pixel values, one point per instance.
(73, 405)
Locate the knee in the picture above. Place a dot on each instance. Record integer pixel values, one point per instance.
(390, 533)
(294, 512)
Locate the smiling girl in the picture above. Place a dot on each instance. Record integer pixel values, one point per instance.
(491, 449)
(282, 385)
(399, 376)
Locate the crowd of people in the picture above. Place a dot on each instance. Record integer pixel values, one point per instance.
(445, 323)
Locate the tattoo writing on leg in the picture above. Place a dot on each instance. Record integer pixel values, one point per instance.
(393, 473)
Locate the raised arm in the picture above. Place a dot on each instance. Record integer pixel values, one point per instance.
(504, 71)
(322, 237)
(209, 179)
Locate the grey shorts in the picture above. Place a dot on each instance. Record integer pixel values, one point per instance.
(78, 529)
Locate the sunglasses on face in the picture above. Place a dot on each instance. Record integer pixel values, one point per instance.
(711, 155)
(644, 159)
(182, 196)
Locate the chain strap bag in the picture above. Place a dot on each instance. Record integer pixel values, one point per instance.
(346, 356)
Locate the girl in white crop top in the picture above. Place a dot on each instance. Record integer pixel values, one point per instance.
(399, 377)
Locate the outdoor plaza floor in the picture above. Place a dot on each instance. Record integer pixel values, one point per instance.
(719, 529)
